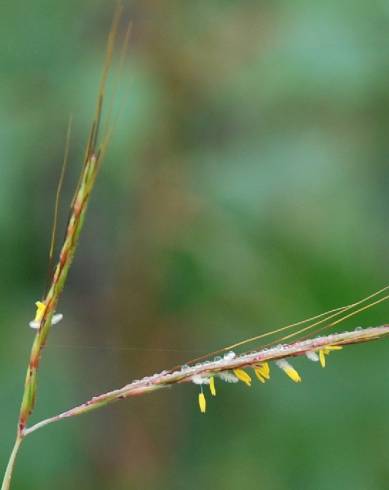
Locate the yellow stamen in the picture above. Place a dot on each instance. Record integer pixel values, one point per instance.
(259, 375)
(40, 311)
(262, 372)
(322, 358)
(202, 403)
(212, 386)
(327, 350)
(243, 376)
(289, 370)
(293, 374)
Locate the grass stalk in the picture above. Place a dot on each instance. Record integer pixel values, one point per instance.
(11, 463)
(94, 152)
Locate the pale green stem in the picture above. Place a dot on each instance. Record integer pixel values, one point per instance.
(11, 464)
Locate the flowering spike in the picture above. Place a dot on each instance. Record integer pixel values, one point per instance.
(243, 376)
(202, 402)
(289, 370)
(212, 386)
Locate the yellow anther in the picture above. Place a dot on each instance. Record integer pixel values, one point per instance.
(243, 376)
(329, 348)
(289, 370)
(202, 403)
(322, 358)
(40, 311)
(325, 351)
(293, 374)
(262, 371)
(212, 386)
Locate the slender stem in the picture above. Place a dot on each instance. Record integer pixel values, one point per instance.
(11, 463)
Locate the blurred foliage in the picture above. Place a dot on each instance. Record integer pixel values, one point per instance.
(245, 188)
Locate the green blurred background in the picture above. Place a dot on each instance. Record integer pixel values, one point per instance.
(246, 187)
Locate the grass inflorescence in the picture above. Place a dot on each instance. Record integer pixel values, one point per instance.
(305, 338)
(45, 314)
